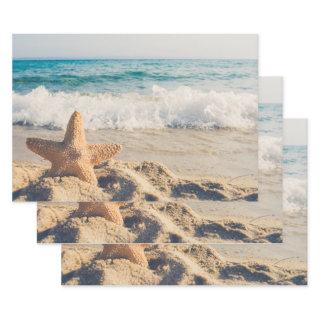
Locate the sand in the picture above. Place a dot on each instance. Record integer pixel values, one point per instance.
(206, 180)
(191, 154)
(174, 265)
(157, 222)
(158, 207)
(125, 181)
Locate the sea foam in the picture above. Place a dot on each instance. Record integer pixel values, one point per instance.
(270, 153)
(183, 107)
(295, 195)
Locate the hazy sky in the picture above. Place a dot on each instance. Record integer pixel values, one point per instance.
(135, 46)
(270, 90)
(295, 132)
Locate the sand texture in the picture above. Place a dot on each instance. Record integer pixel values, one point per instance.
(173, 265)
(152, 165)
(157, 222)
(125, 181)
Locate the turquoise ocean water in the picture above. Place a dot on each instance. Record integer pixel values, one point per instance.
(121, 76)
(295, 161)
(130, 94)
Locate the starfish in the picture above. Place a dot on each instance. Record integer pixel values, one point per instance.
(73, 156)
(131, 252)
(108, 210)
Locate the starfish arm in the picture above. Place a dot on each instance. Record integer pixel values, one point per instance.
(85, 173)
(85, 207)
(47, 149)
(132, 252)
(75, 134)
(101, 152)
(93, 207)
(56, 170)
(108, 210)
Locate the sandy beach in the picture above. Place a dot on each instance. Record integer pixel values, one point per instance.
(220, 264)
(126, 181)
(208, 154)
(174, 265)
(159, 222)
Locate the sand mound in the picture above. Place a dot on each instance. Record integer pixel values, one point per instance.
(172, 265)
(158, 222)
(219, 188)
(23, 174)
(90, 230)
(125, 181)
(119, 271)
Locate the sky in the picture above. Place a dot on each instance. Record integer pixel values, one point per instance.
(271, 90)
(73, 46)
(295, 132)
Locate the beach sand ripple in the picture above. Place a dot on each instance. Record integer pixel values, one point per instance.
(156, 222)
(126, 181)
(172, 265)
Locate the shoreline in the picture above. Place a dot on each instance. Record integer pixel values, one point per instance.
(187, 152)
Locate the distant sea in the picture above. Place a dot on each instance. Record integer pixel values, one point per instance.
(121, 76)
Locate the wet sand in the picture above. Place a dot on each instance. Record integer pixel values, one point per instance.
(189, 153)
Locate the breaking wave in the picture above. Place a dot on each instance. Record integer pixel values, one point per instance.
(295, 195)
(270, 153)
(183, 107)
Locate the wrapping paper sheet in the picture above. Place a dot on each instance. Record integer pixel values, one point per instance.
(192, 121)
(221, 211)
(181, 264)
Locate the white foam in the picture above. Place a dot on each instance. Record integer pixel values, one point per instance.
(295, 195)
(270, 153)
(182, 107)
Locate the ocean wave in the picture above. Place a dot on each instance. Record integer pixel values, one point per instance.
(270, 153)
(295, 195)
(183, 107)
